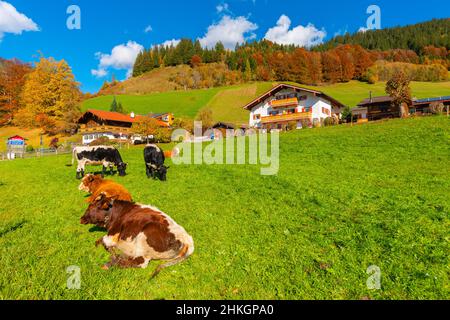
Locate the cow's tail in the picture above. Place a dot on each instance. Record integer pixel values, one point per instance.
(74, 151)
(184, 254)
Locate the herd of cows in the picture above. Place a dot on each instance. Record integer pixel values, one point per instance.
(136, 233)
(109, 157)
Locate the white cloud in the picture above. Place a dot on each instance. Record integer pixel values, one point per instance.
(148, 29)
(169, 43)
(363, 29)
(229, 31)
(14, 22)
(99, 73)
(300, 35)
(224, 7)
(122, 57)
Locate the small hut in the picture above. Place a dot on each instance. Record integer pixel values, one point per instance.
(15, 147)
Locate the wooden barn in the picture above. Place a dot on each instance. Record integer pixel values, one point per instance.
(377, 108)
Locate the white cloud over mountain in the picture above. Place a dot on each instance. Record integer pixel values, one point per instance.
(12, 21)
(122, 57)
(229, 31)
(306, 36)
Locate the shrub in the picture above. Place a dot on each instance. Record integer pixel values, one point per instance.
(292, 125)
(102, 141)
(163, 135)
(331, 121)
(437, 108)
(29, 148)
(346, 115)
(305, 123)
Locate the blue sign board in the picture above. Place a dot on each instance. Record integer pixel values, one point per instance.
(16, 142)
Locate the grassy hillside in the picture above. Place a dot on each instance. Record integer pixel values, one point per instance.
(157, 80)
(345, 198)
(181, 103)
(227, 102)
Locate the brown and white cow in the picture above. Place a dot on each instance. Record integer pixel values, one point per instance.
(138, 234)
(96, 185)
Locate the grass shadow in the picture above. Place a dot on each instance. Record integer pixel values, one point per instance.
(96, 229)
(12, 227)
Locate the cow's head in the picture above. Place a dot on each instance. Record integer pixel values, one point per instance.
(89, 182)
(98, 212)
(162, 172)
(121, 168)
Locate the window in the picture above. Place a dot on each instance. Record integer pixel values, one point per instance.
(307, 109)
(256, 116)
(302, 98)
(326, 111)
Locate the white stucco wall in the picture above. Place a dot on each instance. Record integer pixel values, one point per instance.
(313, 102)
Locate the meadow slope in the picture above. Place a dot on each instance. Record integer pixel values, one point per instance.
(345, 198)
(227, 102)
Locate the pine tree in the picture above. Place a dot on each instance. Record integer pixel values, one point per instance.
(248, 71)
(119, 108)
(113, 107)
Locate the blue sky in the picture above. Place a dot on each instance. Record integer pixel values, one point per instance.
(29, 27)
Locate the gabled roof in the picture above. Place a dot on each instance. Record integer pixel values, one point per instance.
(119, 117)
(375, 100)
(282, 86)
(388, 99)
(430, 100)
(111, 116)
(17, 138)
(229, 125)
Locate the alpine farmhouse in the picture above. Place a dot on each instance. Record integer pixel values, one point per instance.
(285, 104)
(116, 126)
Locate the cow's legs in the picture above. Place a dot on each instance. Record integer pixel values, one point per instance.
(147, 170)
(124, 262)
(127, 262)
(103, 171)
(80, 170)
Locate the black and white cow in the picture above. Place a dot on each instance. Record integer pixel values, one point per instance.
(154, 162)
(106, 156)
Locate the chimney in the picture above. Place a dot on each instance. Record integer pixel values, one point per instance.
(132, 115)
(370, 95)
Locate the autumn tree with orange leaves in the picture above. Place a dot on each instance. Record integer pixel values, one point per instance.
(49, 95)
(12, 80)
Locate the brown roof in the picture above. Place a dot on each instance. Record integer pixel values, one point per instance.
(116, 116)
(282, 86)
(375, 100)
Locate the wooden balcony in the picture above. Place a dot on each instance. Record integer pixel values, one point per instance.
(286, 117)
(284, 103)
(100, 129)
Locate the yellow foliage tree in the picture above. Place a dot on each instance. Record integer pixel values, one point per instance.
(145, 126)
(50, 92)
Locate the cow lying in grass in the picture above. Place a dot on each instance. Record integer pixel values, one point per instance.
(138, 234)
(96, 185)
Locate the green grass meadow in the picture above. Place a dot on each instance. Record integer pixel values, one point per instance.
(227, 103)
(345, 198)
